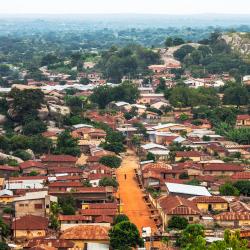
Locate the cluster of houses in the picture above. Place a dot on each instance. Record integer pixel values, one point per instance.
(30, 199)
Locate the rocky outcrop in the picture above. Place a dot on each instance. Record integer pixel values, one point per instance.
(57, 111)
(43, 112)
(6, 157)
(2, 119)
(239, 42)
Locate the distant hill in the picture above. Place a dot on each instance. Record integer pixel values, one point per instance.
(239, 42)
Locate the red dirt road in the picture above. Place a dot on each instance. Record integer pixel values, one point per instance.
(131, 195)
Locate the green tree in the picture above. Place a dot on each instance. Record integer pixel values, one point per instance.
(236, 95)
(189, 235)
(177, 222)
(108, 181)
(66, 144)
(120, 218)
(34, 127)
(26, 103)
(228, 189)
(231, 241)
(124, 235)
(243, 187)
(110, 161)
(183, 51)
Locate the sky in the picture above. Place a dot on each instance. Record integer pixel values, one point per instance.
(125, 6)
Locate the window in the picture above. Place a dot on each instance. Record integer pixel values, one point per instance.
(190, 218)
(38, 206)
(21, 205)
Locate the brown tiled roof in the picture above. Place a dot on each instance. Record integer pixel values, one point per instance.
(20, 178)
(206, 178)
(93, 159)
(241, 176)
(65, 170)
(239, 206)
(30, 222)
(49, 134)
(58, 158)
(156, 165)
(98, 176)
(8, 168)
(104, 218)
(99, 167)
(243, 117)
(57, 243)
(74, 217)
(209, 199)
(189, 154)
(68, 178)
(232, 216)
(96, 212)
(66, 184)
(30, 163)
(222, 167)
(103, 206)
(86, 232)
(176, 205)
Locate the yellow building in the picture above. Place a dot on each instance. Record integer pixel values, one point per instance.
(83, 235)
(211, 203)
(29, 227)
(233, 219)
(6, 196)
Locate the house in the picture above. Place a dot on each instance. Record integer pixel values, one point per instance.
(243, 121)
(85, 236)
(156, 174)
(185, 190)
(70, 171)
(216, 150)
(160, 104)
(120, 106)
(157, 68)
(233, 219)
(94, 179)
(218, 169)
(26, 182)
(89, 134)
(29, 227)
(30, 166)
(52, 135)
(169, 206)
(6, 196)
(211, 203)
(240, 176)
(67, 221)
(58, 161)
(47, 244)
(172, 127)
(88, 194)
(33, 203)
(6, 171)
(160, 151)
(195, 156)
(150, 98)
(64, 186)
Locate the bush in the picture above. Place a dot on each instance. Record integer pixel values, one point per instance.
(25, 156)
(108, 181)
(177, 222)
(229, 190)
(111, 161)
(120, 217)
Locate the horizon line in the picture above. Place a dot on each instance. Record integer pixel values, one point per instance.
(123, 13)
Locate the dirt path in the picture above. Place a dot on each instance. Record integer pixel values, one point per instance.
(131, 196)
